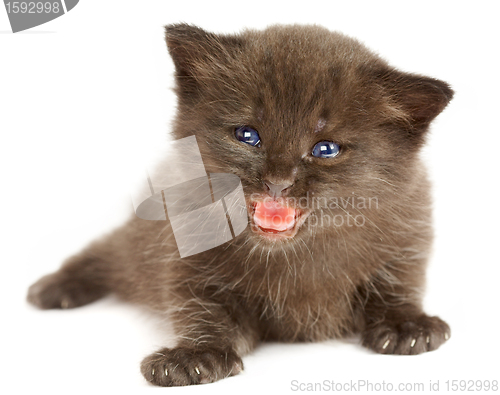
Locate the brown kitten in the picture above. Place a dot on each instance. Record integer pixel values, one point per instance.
(310, 277)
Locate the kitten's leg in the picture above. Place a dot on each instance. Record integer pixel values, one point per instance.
(81, 280)
(213, 340)
(395, 321)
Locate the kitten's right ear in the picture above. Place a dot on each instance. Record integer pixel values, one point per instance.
(186, 44)
(195, 52)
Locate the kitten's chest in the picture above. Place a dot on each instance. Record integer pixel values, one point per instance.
(313, 314)
(299, 303)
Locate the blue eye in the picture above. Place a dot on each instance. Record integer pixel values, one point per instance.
(248, 136)
(326, 149)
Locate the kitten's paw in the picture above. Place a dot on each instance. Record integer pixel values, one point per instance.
(57, 291)
(187, 366)
(408, 337)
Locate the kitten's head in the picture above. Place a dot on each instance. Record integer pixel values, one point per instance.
(304, 117)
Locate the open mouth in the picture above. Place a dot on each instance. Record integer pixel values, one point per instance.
(275, 219)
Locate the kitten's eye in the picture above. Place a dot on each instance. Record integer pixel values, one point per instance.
(326, 149)
(248, 136)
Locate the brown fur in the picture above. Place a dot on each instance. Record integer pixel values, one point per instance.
(327, 281)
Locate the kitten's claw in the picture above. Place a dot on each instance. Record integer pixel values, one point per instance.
(64, 303)
(196, 366)
(406, 337)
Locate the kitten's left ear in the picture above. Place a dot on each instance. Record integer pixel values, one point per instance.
(421, 98)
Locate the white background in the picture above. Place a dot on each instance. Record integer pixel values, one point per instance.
(80, 97)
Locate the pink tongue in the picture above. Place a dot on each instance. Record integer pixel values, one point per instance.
(272, 215)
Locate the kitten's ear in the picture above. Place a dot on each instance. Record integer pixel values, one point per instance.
(421, 98)
(195, 51)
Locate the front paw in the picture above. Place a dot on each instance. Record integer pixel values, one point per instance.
(406, 337)
(187, 366)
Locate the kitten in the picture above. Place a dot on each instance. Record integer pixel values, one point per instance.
(325, 137)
